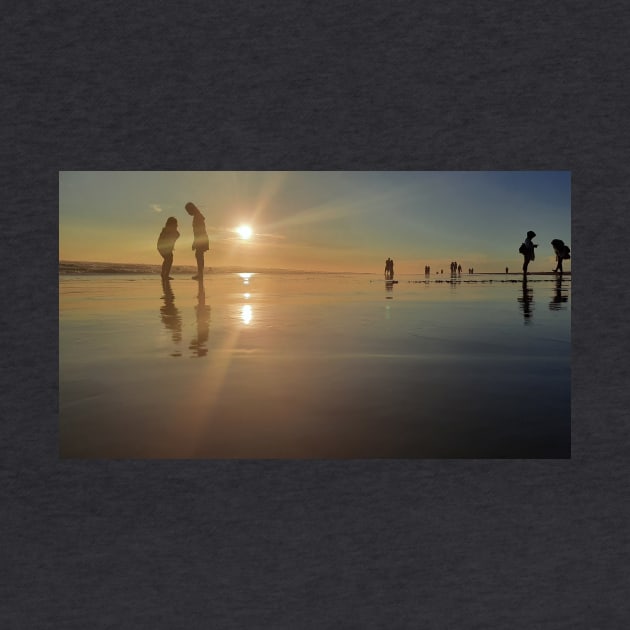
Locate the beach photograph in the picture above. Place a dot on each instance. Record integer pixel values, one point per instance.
(314, 314)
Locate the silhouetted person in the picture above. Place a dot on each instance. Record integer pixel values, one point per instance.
(202, 313)
(527, 249)
(170, 315)
(200, 241)
(387, 268)
(562, 253)
(506, 270)
(459, 269)
(391, 269)
(166, 244)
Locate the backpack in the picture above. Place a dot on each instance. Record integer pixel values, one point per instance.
(522, 249)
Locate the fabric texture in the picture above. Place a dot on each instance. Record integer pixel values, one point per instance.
(314, 86)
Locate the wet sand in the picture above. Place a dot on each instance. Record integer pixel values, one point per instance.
(314, 366)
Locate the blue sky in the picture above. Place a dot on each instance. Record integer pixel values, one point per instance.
(328, 221)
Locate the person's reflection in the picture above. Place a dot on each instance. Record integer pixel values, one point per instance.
(202, 312)
(170, 316)
(526, 301)
(389, 289)
(560, 295)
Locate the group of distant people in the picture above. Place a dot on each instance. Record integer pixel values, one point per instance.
(169, 234)
(527, 249)
(389, 269)
(455, 268)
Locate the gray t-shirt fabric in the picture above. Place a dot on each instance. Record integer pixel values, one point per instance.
(311, 544)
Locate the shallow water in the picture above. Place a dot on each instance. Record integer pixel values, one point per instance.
(314, 366)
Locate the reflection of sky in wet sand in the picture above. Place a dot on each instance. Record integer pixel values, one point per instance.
(314, 366)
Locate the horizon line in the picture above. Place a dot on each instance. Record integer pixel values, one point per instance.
(253, 269)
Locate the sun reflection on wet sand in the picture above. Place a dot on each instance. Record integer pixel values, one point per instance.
(246, 314)
(246, 277)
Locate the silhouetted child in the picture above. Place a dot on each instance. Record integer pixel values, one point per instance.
(561, 251)
(166, 244)
(200, 237)
(527, 249)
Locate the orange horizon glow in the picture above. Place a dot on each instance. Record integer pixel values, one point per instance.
(317, 221)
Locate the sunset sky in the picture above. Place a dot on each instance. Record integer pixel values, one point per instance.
(319, 221)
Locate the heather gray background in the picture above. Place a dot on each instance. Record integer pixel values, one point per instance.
(344, 85)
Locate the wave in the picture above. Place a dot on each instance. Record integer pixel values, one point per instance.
(88, 267)
(80, 267)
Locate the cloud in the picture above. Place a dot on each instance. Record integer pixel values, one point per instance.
(269, 237)
(156, 207)
(229, 234)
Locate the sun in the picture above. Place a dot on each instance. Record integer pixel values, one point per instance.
(244, 231)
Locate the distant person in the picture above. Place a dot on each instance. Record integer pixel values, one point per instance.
(527, 249)
(562, 253)
(391, 269)
(166, 244)
(459, 269)
(506, 270)
(200, 237)
(388, 263)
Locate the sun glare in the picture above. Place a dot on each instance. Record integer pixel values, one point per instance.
(244, 231)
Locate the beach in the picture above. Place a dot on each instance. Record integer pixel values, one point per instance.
(307, 365)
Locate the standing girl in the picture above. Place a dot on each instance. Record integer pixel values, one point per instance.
(200, 241)
(166, 244)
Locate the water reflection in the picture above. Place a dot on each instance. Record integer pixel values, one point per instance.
(560, 295)
(389, 289)
(246, 314)
(202, 314)
(246, 277)
(526, 301)
(170, 316)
